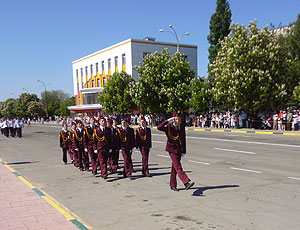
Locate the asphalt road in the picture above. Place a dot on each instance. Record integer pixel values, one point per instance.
(242, 181)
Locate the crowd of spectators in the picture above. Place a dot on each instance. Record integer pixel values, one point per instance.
(282, 120)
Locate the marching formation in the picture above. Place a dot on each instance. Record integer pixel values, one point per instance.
(99, 143)
(11, 127)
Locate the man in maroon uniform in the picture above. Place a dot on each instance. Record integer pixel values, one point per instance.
(64, 142)
(102, 145)
(78, 144)
(144, 144)
(113, 156)
(89, 145)
(71, 150)
(176, 146)
(127, 143)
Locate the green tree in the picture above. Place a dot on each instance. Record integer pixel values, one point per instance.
(63, 107)
(22, 104)
(164, 83)
(201, 94)
(8, 108)
(54, 99)
(115, 96)
(219, 28)
(251, 70)
(35, 109)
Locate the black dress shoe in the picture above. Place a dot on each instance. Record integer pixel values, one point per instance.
(148, 175)
(175, 189)
(94, 173)
(188, 185)
(105, 177)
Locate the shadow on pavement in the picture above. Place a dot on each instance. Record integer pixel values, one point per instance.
(199, 190)
(22, 162)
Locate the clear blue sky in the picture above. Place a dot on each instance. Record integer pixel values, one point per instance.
(41, 38)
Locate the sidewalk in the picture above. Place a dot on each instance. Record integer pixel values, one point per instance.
(22, 206)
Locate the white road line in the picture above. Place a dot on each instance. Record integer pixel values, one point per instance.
(237, 151)
(238, 141)
(160, 142)
(231, 135)
(246, 170)
(199, 162)
(163, 156)
(294, 178)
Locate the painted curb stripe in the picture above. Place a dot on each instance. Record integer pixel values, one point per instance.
(38, 192)
(78, 224)
(60, 209)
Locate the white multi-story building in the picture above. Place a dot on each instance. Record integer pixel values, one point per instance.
(90, 73)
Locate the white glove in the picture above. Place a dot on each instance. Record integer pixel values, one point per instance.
(130, 151)
(95, 151)
(110, 150)
(76, 149)
(171, 120)
(85, 149)
(182, 154)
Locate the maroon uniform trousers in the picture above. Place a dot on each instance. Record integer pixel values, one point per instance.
(127, 143)
(102, 143)
(144, 143)
(65, 144)
(113, 156)
(89, 144)
(176, 145)
(79, 146)
(70, 146)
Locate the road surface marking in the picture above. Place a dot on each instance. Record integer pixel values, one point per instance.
(246, 170)
(163, 156)
(199, 162)
(237, 151)
(238, 141)
(294, 178)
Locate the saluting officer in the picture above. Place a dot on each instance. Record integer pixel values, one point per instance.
(176, 146)
(102, 145)
(64, 141)
(127, 143)
(144, 144)
(88, 144)
(78, 144)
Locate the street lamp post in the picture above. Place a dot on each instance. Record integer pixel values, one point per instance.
(173, 32)
(46, 100)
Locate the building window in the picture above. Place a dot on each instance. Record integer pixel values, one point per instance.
(145, 54)
(79, 101)
(77, 73)
(77, 87)
(93, 84)
(92, 70)
(86, 70)
(104, 81)
(102, 66)
(97, 68)
(98, 82)
(123, 59)
(87, 84)
(116, 61)
(109, 63)
(82, 85)
(81, 72)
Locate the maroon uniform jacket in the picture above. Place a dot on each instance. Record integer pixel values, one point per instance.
(88, 137)
(70, 134)
(126, 138)
(115, 140)
(102, 139)
(78, 139)
(64, 139)
(143, 138)
(176, 138)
